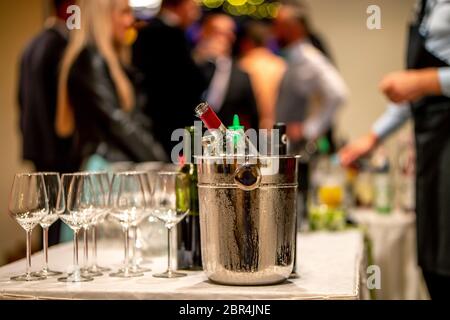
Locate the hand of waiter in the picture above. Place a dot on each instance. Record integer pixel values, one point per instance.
(399, 87)
(411, 85)
(352, 152)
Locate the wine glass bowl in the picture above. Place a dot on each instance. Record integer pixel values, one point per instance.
(170, 217)
(80, 201)
(28, 208)
(53, 187)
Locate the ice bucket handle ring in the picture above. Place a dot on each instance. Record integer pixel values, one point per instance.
(248, 176)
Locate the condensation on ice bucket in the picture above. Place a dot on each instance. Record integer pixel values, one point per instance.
(248, 237)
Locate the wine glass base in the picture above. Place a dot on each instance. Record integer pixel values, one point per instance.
(98, 269)
(129, 274)
(28, 278)
(47, 273)
(74, 279)
(170, 275)
(140, 270)
(90, 274)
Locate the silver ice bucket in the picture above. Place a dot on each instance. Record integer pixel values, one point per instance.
(247, 218)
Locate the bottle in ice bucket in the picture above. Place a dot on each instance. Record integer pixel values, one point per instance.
(281, 145)
(248, 175)
(189, 243)
(221, 141)
(236, 135)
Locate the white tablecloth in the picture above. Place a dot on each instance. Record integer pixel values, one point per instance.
(393, 238)
(329, 268)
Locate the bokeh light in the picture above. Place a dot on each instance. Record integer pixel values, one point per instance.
(258, 9)
(212, 4)
(255, 2)
(237, 3)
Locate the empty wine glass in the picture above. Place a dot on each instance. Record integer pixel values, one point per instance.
(81, 201)
(99, 187)
(127, 204)
(52, 183)
(146, 184)
(171, 201)
(101, 183)
(152, 224)
(28, 204)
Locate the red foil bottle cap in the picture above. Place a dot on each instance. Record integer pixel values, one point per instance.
(208, 116)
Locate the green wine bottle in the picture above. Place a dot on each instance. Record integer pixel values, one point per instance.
(189, 242)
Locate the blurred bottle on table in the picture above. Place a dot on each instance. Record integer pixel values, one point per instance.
(328, 192)
(406, 173)
(363, 187)
(382, 182)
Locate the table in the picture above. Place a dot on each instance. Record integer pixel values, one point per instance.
(330, 267)
(393, 238)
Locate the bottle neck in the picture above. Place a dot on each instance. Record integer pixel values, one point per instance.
(210, 118)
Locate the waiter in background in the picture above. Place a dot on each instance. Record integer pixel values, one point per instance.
(423, 93)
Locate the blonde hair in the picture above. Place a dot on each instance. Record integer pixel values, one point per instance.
(96, 28)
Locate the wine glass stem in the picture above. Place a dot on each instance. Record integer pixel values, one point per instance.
(86, 248)
(94, 245)
(169, 234)
(45, 240)
(127, 254)
(133, 248)
(75, 254)
(29, 253)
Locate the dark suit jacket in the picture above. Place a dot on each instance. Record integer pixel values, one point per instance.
(173, 82)
(38, 82)
(239, 98)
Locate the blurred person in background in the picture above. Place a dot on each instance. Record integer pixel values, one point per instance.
(313, 37)
(312, 89)
(423, 93)
(98, 102)
(311, 92)
(265, 68)
(173, 82)
(230, 91)
(38, 82)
